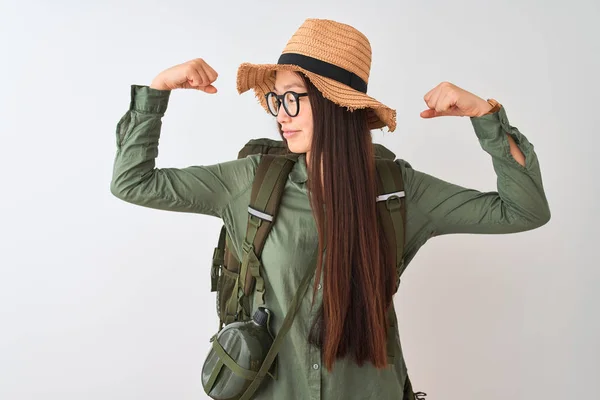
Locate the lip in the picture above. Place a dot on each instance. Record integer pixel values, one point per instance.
(288, 134)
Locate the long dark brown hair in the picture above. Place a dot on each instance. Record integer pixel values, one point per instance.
(358, 280)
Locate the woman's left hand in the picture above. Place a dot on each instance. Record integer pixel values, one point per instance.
(447, 99)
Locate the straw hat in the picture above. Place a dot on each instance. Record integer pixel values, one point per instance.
(335, 57)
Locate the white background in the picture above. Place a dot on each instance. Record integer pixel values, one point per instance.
(100, 299)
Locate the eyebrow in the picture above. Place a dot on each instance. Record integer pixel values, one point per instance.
(290, 85)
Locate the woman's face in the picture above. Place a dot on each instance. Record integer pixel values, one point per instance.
(298, 130)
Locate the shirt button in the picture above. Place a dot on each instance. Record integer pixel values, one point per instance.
(315, 366)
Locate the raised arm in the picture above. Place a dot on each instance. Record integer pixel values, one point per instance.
(198, 189)
(519, 204)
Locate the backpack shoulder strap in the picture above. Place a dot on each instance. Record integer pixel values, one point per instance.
(392, 214)
(267, 190)
(263, 146)
(269, 182)
(392, 210)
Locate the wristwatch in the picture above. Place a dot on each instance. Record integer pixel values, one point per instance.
(495, 106)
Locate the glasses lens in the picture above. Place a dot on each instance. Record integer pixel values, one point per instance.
(273, 103)
(291, 105)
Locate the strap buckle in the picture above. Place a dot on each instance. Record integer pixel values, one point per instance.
(392, 203)
(247, 247)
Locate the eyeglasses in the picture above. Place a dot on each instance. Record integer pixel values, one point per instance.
(291, 105)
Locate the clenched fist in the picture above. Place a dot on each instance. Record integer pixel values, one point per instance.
(193, 74)
(447, 99)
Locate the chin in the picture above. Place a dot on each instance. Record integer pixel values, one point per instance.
(295, 148)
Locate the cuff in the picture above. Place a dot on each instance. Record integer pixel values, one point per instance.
(489, 125)
(148, 100)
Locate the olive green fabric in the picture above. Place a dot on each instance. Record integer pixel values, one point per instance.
(434, 207)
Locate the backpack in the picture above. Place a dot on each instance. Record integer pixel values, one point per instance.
(235, 280)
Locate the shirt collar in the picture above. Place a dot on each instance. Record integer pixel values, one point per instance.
(298, 173)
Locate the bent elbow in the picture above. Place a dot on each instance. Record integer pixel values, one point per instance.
(545, 217)
(135, 191)
(117, 190)
(121, 190)
(542, 217)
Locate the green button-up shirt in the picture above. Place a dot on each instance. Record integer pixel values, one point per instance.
(433, 207)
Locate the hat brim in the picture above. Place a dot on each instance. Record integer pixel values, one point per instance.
(261, 78)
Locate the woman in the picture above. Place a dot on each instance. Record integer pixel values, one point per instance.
(317, 92)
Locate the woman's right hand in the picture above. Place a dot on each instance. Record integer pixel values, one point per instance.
(193, 74)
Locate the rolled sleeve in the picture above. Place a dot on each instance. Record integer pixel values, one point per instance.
(145, 99)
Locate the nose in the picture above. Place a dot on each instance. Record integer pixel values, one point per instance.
(282, 115)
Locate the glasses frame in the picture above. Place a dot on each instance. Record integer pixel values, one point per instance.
(280, 101)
